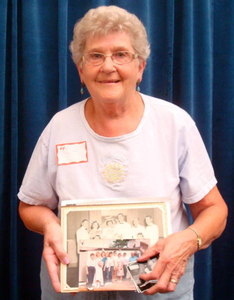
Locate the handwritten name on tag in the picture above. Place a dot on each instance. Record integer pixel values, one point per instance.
(72, 153)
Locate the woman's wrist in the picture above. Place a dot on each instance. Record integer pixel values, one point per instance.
(199, 241)
(192, 237)
(48, 222)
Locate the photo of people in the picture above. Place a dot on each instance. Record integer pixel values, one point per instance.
(136, 268)
(105, 269)
(102, 240)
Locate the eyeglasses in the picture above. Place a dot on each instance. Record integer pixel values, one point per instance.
(120, 58)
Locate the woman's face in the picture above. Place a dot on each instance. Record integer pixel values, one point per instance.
(148, 220)
(95, 225)
(109, 224)
(135, 222)
(110, 83)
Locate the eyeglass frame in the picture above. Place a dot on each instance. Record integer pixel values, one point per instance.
(134, 56)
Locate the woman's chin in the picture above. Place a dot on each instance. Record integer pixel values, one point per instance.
(111, 97)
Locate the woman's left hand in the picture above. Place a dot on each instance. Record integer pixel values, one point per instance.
(174, 253)
(209, 215)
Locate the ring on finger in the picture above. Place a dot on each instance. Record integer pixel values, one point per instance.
(173, 281)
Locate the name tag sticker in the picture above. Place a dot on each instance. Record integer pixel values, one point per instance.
(73, 153)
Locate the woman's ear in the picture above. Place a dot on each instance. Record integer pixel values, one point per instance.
(80, 71)
(141, 68)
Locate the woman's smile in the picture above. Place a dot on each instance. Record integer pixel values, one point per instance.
(109, 81)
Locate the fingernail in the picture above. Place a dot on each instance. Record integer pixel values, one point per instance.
(66, 261)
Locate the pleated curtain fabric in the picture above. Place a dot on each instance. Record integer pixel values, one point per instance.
(191, 65)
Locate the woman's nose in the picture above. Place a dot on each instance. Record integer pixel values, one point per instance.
(108, 64)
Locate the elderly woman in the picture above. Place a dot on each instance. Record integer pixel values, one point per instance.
(122, 144)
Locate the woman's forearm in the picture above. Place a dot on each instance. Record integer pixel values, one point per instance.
(210, 217)
(36, 218)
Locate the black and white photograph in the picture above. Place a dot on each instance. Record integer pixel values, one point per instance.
(136, 268)
(109, 232)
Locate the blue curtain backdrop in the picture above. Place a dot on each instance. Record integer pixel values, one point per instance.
(191, 65)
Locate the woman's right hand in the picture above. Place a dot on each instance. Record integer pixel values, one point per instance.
(42, 219)
(53, 252)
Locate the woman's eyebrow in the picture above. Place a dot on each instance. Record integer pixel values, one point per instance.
(114, 49)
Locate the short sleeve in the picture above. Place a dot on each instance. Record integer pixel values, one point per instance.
(196, 172)
(36, 188)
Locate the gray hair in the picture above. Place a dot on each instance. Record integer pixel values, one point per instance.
(106, 19)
